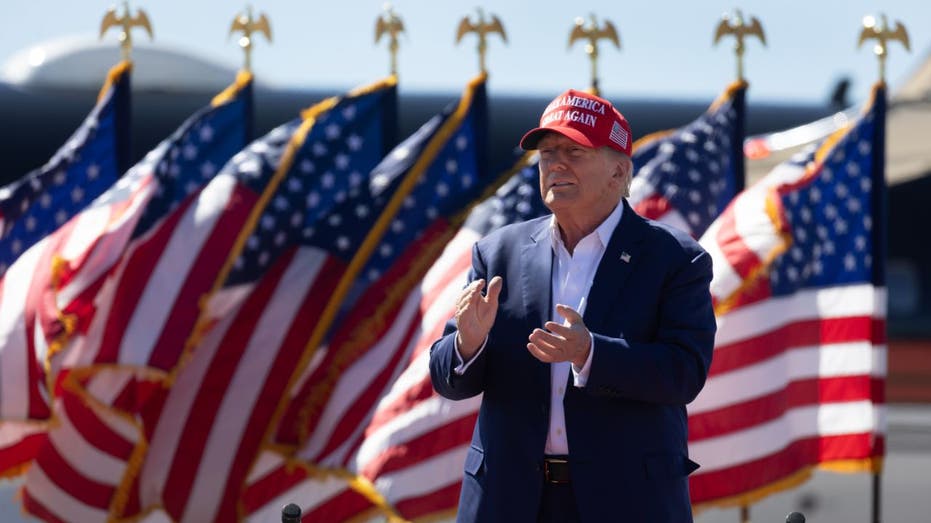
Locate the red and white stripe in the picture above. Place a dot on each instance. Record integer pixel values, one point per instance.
(20, 442)
(649, 203)
(212, 424)
(796, 380)
(147, 307)
(399, 436)
(101, 233)
(322, 496)
(31, 304)
(800, 391)
(748, 234)
(23, 395)
(396, 432)
(79, 467)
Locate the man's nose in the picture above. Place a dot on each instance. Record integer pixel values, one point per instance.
(558, 159)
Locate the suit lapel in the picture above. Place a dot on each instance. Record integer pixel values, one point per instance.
(536, 281)
(537, 276)
(620, 257)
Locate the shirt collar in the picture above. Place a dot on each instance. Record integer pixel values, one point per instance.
(603, 231)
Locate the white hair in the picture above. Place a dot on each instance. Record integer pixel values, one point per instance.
(627, 165)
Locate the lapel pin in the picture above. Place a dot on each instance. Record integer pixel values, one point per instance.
(625, 257)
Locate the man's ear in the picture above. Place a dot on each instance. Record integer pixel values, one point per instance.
(624, 166)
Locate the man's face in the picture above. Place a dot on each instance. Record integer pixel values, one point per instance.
(577, 180)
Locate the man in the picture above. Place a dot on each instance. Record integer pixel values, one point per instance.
(583, 416)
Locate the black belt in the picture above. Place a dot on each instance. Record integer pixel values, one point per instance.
(556, 469)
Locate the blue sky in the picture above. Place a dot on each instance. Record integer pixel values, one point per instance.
(666, 49)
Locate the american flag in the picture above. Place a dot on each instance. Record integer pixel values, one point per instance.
(85, 452)
(85, 250)
(30, 209)
(226, 346)
(397, 446)
(686, 177)
(451, 174)
(798, 372)
(257, 350)
(87, 165)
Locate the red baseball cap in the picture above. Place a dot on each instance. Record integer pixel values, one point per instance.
(584, 118)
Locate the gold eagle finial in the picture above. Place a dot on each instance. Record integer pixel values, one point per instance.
(126, 22)
(883, 34)
(247, 25)
(482, 28)
(389, 23)
(740, 29)
(594, 33)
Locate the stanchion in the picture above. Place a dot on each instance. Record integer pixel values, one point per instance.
(291, 513)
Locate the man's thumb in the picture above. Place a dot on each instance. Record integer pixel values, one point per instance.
(494, 289)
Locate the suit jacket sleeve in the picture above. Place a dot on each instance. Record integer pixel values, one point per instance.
(443, 354)
(671, 367)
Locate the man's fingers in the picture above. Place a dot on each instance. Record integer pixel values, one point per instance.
(570, 314)
(545, 341)
(468, 294)
(559, 329)
(540, 354)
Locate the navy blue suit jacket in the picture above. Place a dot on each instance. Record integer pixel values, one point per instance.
(653, 327)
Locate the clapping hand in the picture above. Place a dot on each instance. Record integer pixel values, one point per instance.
(569, 341)
(475, 314)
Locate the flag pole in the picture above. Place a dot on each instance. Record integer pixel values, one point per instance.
(125, 22)
(877, 501)
(735, 25)
(593, 33)
(246, 24)
(390, 24)
(482, 28)
(880, 30)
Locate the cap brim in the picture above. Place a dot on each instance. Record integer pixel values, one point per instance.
(532, 137)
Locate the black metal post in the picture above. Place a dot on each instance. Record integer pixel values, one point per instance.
(291, 513)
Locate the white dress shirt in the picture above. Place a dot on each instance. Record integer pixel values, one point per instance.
(571, 280)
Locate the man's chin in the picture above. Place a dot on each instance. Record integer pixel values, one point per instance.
(559, 197)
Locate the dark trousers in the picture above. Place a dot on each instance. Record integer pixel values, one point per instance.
(558, 504)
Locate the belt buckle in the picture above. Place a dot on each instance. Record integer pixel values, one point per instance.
(546, 469)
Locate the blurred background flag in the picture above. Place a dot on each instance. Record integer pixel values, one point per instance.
(151, 302)
(156, 300)
(449, 156)
(233, 392)
(52, 293)
(404, 444)
(84, 455)
(687, 176)
(83, 252)
(798, 374)
(271, 271)
(405, 201)
(168, 177)
(30, 209)
(87, 165)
